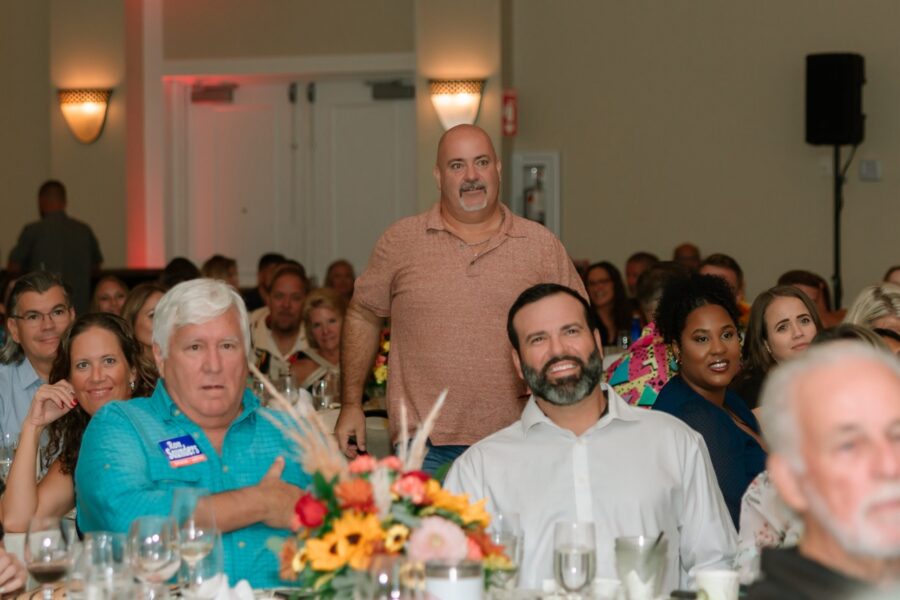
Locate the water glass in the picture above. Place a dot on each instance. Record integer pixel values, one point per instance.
(641, 565)
(104, 566)
(48, 552)
(153, 553)
(574, 556)
(8, 444)
(506, 531)
(289, 389)
(326, 392)
(383, 580)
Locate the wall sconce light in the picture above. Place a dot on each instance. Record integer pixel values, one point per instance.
(85, 112)
(456, 101)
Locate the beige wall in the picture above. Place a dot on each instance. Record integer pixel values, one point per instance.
(685, 121)
(25, 137)
(458, 40)
(253, 28)
(87, 49)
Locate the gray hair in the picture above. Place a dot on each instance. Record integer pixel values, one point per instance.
(778, 417)
(194, 302)
(873, 303)
(38, 282)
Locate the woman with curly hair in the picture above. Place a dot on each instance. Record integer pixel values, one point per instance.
(98, 361)
(783, 322)
(698, 315)
(609, 301)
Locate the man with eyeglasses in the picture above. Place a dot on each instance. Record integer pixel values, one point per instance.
(39, 311)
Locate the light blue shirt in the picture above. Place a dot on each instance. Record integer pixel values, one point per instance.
(18, 384)
(124, 473)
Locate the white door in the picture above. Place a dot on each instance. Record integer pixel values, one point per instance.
(239, 178)
(363, 172)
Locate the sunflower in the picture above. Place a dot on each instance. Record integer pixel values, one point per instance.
(326, 553)
(356, 535)
(396, 537)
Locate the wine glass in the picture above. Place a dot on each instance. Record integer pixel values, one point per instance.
(153, 552)
(47, 552)
(506, 531)
(104, 565)
(323, 392)
(197, 532)
(574, 556)
(8, 444)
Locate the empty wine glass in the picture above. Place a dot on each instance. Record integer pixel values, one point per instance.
(47, 552)
(574, 556)
(153, 552)
(197, 532)
(104, 565)
(506, 531)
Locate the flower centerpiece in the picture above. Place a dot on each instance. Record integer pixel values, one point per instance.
(357, 510)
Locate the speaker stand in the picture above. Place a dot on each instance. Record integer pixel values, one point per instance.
(838, 206)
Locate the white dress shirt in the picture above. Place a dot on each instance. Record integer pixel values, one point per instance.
(635, 472)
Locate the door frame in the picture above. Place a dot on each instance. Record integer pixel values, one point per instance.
(166, 98)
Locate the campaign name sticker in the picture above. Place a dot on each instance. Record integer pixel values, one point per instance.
(182, 451)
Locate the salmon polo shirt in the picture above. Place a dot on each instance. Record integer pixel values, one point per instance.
(448, 302)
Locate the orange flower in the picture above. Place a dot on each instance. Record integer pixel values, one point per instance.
(289, 555)
(355, 493)
(484, 542)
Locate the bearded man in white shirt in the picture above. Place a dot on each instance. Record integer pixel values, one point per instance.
(581, 453)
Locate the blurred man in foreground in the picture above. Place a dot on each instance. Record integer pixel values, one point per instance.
(832, 420)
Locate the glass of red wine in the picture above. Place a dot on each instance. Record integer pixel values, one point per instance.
(48, 554)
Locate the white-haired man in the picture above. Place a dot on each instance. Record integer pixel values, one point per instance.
(832, 420)
(200, 428)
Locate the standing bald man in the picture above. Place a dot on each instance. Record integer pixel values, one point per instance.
(446, 279)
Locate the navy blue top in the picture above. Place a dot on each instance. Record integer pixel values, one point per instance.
(736, 456)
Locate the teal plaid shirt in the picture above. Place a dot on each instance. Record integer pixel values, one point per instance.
(123, 473)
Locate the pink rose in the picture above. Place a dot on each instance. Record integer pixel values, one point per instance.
(437, 539)
(391, 462)
(410, 487)
(363, 463)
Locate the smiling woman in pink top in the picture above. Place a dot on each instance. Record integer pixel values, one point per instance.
(99, 360)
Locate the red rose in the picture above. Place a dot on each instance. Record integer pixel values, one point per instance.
(310, 511)
(420, 475)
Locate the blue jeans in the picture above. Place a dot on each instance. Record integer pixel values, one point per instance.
(439, 458)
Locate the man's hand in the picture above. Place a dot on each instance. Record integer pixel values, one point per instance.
(351, 423)
(12, 573)
(279, 497)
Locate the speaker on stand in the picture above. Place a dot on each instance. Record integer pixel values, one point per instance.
(834, 117)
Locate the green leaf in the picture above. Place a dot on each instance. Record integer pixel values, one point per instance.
(402, 514)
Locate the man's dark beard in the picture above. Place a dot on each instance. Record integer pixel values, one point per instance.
(568, 390)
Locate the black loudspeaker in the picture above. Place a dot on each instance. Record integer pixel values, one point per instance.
(834, 99)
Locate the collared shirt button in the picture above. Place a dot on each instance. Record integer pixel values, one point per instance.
(224, 468)
(176, 412)
(106, 466)
(242, 544)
